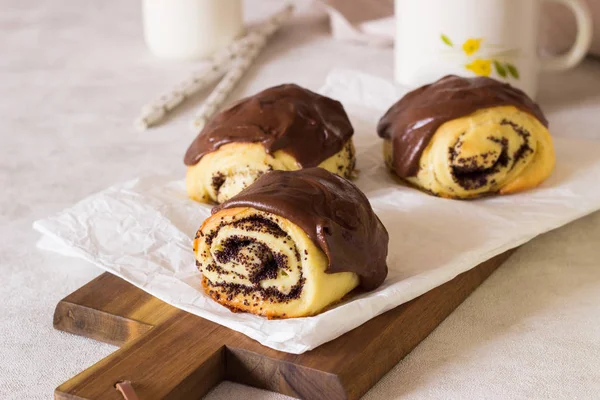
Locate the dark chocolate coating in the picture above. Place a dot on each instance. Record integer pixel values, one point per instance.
(412, 121)
(332, 211)
(308, 126)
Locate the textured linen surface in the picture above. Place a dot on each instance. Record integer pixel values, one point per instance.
(73, 76)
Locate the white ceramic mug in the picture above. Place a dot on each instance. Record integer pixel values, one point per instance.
(496, 38)
(190, 29)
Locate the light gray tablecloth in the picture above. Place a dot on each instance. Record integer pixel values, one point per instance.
(74, 74)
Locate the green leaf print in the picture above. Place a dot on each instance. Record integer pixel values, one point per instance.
(446, 40)
(512, 70)
(500, 69)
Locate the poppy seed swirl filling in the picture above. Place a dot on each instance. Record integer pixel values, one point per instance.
(479, 170)
(253, 254)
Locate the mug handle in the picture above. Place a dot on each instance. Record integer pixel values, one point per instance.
(583, 40)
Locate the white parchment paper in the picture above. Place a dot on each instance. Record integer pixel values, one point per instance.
(142, 230)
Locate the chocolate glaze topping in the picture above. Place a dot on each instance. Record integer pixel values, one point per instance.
(306, 125)
(412, 121)
(333, 212)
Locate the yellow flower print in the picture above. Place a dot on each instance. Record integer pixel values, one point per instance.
(471, 46)
(480, 67)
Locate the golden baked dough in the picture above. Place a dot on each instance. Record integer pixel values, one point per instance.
(262, 263)
(284, 128)
(493, 150)
(222, 174)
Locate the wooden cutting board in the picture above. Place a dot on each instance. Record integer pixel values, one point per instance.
(170, 354)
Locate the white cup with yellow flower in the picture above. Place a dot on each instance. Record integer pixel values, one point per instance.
(495, 38)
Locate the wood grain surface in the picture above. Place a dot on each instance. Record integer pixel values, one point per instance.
(170, 354)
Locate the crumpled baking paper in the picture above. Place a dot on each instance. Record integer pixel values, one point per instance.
(142, 230)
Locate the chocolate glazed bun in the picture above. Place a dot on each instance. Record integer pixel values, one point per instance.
(291, 244)
(467, 137)
(281, 128)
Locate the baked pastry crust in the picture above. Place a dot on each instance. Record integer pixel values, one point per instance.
(464, 138)
(222, 174)
(497, 150)
(291, 244)
(285, 128)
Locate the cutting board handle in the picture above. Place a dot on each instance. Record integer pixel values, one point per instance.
(173, 360)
